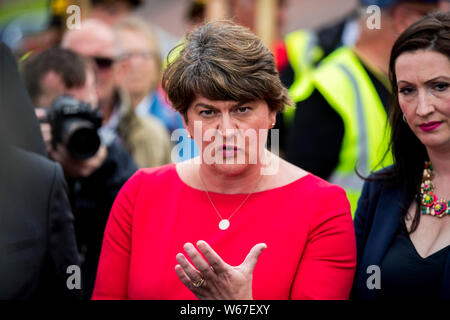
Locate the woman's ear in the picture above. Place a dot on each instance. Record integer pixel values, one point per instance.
(272, 118)
(184, 117)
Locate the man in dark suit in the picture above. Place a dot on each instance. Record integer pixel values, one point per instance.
(37, 240)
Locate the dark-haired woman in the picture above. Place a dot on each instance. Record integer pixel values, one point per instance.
(196, 229)
(403, 218)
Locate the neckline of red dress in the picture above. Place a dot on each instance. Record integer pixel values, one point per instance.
(237, 194)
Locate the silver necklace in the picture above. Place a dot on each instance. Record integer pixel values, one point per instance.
(225, 223)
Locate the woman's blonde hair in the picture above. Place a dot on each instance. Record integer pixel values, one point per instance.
(139, 25)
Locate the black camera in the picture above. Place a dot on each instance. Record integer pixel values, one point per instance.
(74, 124)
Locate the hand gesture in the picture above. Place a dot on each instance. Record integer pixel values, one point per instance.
(214, 279)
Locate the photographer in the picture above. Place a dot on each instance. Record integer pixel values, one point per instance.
(62, 85)
(145, 138)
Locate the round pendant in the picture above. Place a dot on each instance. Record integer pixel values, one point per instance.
(224, 224)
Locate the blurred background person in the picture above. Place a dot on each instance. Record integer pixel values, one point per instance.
(20, 21)
(145, 138)
(112, 11)
(95, 41)
(95, 181)
(342, 124)
(402, 222)
(31, 28)
(138, 68)
(37, 238)
(195, 14)
(244, 12)
(139, 71)
(305, 49)
(36, 25)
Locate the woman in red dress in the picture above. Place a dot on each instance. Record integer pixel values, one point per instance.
(237, 222)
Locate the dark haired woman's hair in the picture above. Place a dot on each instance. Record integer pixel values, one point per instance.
(431, 33)
(223, 61)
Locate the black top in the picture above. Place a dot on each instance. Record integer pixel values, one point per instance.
(406, 275)
(314, 142)
(377, 221)
(92, 198)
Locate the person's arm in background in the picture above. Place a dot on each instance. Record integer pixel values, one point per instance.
(315, 138)
(62, 250)
(112, 275)
(327, 266)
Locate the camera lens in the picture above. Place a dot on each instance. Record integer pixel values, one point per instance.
(82, 139)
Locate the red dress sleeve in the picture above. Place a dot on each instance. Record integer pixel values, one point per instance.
(112, 273)
(327, 267)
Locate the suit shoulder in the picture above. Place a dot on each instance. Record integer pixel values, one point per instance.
(30, 162)
(378, 180)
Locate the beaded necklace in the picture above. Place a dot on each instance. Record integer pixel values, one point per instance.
(430, 204)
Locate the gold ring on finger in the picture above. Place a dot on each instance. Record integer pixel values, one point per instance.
(199, 283)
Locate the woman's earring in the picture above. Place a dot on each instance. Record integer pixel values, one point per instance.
(273, 125)
(404, 119)
(189, 136)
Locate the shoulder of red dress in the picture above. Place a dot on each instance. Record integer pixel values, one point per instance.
(154, 175)
(320, 183)
(161, 170)
(320, 188)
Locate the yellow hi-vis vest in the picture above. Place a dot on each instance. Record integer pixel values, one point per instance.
(344, 83)
(302, 52)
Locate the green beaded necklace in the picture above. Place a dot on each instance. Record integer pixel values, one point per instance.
(430, 204)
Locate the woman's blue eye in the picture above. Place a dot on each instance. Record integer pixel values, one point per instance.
(405, 90)
(242, 109)
(442, 86)
(206, 113)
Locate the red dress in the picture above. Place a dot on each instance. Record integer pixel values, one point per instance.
(307, 226)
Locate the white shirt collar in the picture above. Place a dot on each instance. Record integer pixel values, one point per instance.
(143, 106)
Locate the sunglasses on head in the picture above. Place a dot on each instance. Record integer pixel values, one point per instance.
(103, 62)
